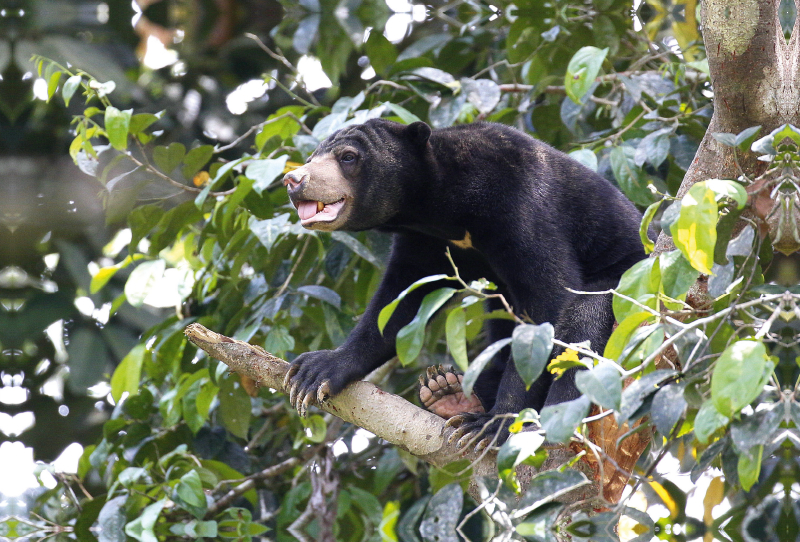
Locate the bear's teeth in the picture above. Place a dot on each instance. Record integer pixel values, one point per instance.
(320, 206)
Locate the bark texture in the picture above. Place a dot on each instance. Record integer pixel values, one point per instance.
(755, 76)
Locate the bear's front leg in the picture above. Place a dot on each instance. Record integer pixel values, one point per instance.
(315, 376)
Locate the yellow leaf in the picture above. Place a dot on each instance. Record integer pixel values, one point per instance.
(290, 166)
(666, 498)
(201, 179)
(391, 513)
(565, 360)
(694, 233)
(568, 355)
(714, 495)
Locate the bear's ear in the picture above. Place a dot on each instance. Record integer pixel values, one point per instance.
(418, 133)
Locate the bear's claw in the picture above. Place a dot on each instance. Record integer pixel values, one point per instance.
(476, 431)
(324, 391)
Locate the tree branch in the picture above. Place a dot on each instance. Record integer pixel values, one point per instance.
(388, 416)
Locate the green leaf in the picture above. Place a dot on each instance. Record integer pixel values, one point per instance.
(406, 116)
(172, 222)
(641, 282)
(381, 52)
(758, 428)
(724, 188)
(630, 178)
(638, 392)
(195, 159)
(677, 274)
(518, 448)
(746, 137)
(749, 467)
(708, 421)
(738, 376)
(264, 172)
(104, 274)
(547, 487)
(602, 384)
(726, 139)
(69, 88)
(484, 94)
(117, 123)
(622, 334)
(560, 421)
(190, 489)
(582, 70)
(278, 341)
(653, 148)
(141, 220)
(478, 364)
(52, 84)
(388, 310)
(531, 346)
(142, 121)
(356, 246)
(322, 293)
(268, 231)
(128, 373)
(585, 157)
(643, 342)
(142, 527)
(647, 218)
(282, 127)
(455, 328)
(168, 158)
(143, 280)
(412, 335)
(234, 406)
(667, 408)
(111, 520)
(786, 131)
(316, 428)
(695, 231)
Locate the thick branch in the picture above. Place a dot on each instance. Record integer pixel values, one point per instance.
(386, 415)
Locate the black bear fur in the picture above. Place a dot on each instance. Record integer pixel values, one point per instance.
(534, 221)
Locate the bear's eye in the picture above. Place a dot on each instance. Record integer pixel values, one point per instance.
(348, 157)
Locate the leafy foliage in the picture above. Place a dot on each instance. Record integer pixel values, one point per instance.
(192, 451)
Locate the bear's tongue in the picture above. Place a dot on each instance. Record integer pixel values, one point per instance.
(306, 209)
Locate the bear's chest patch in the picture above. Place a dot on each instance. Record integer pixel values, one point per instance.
(465, 243)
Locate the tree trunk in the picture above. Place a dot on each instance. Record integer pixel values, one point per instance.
(755, 76)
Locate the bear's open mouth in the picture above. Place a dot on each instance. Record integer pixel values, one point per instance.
(316, 211)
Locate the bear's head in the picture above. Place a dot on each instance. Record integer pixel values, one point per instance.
(360, 176)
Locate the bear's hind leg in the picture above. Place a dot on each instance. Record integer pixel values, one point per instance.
(440, 392)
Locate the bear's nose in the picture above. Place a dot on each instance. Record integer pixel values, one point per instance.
(292, 180)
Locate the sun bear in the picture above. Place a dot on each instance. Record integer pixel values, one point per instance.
(510, 209)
